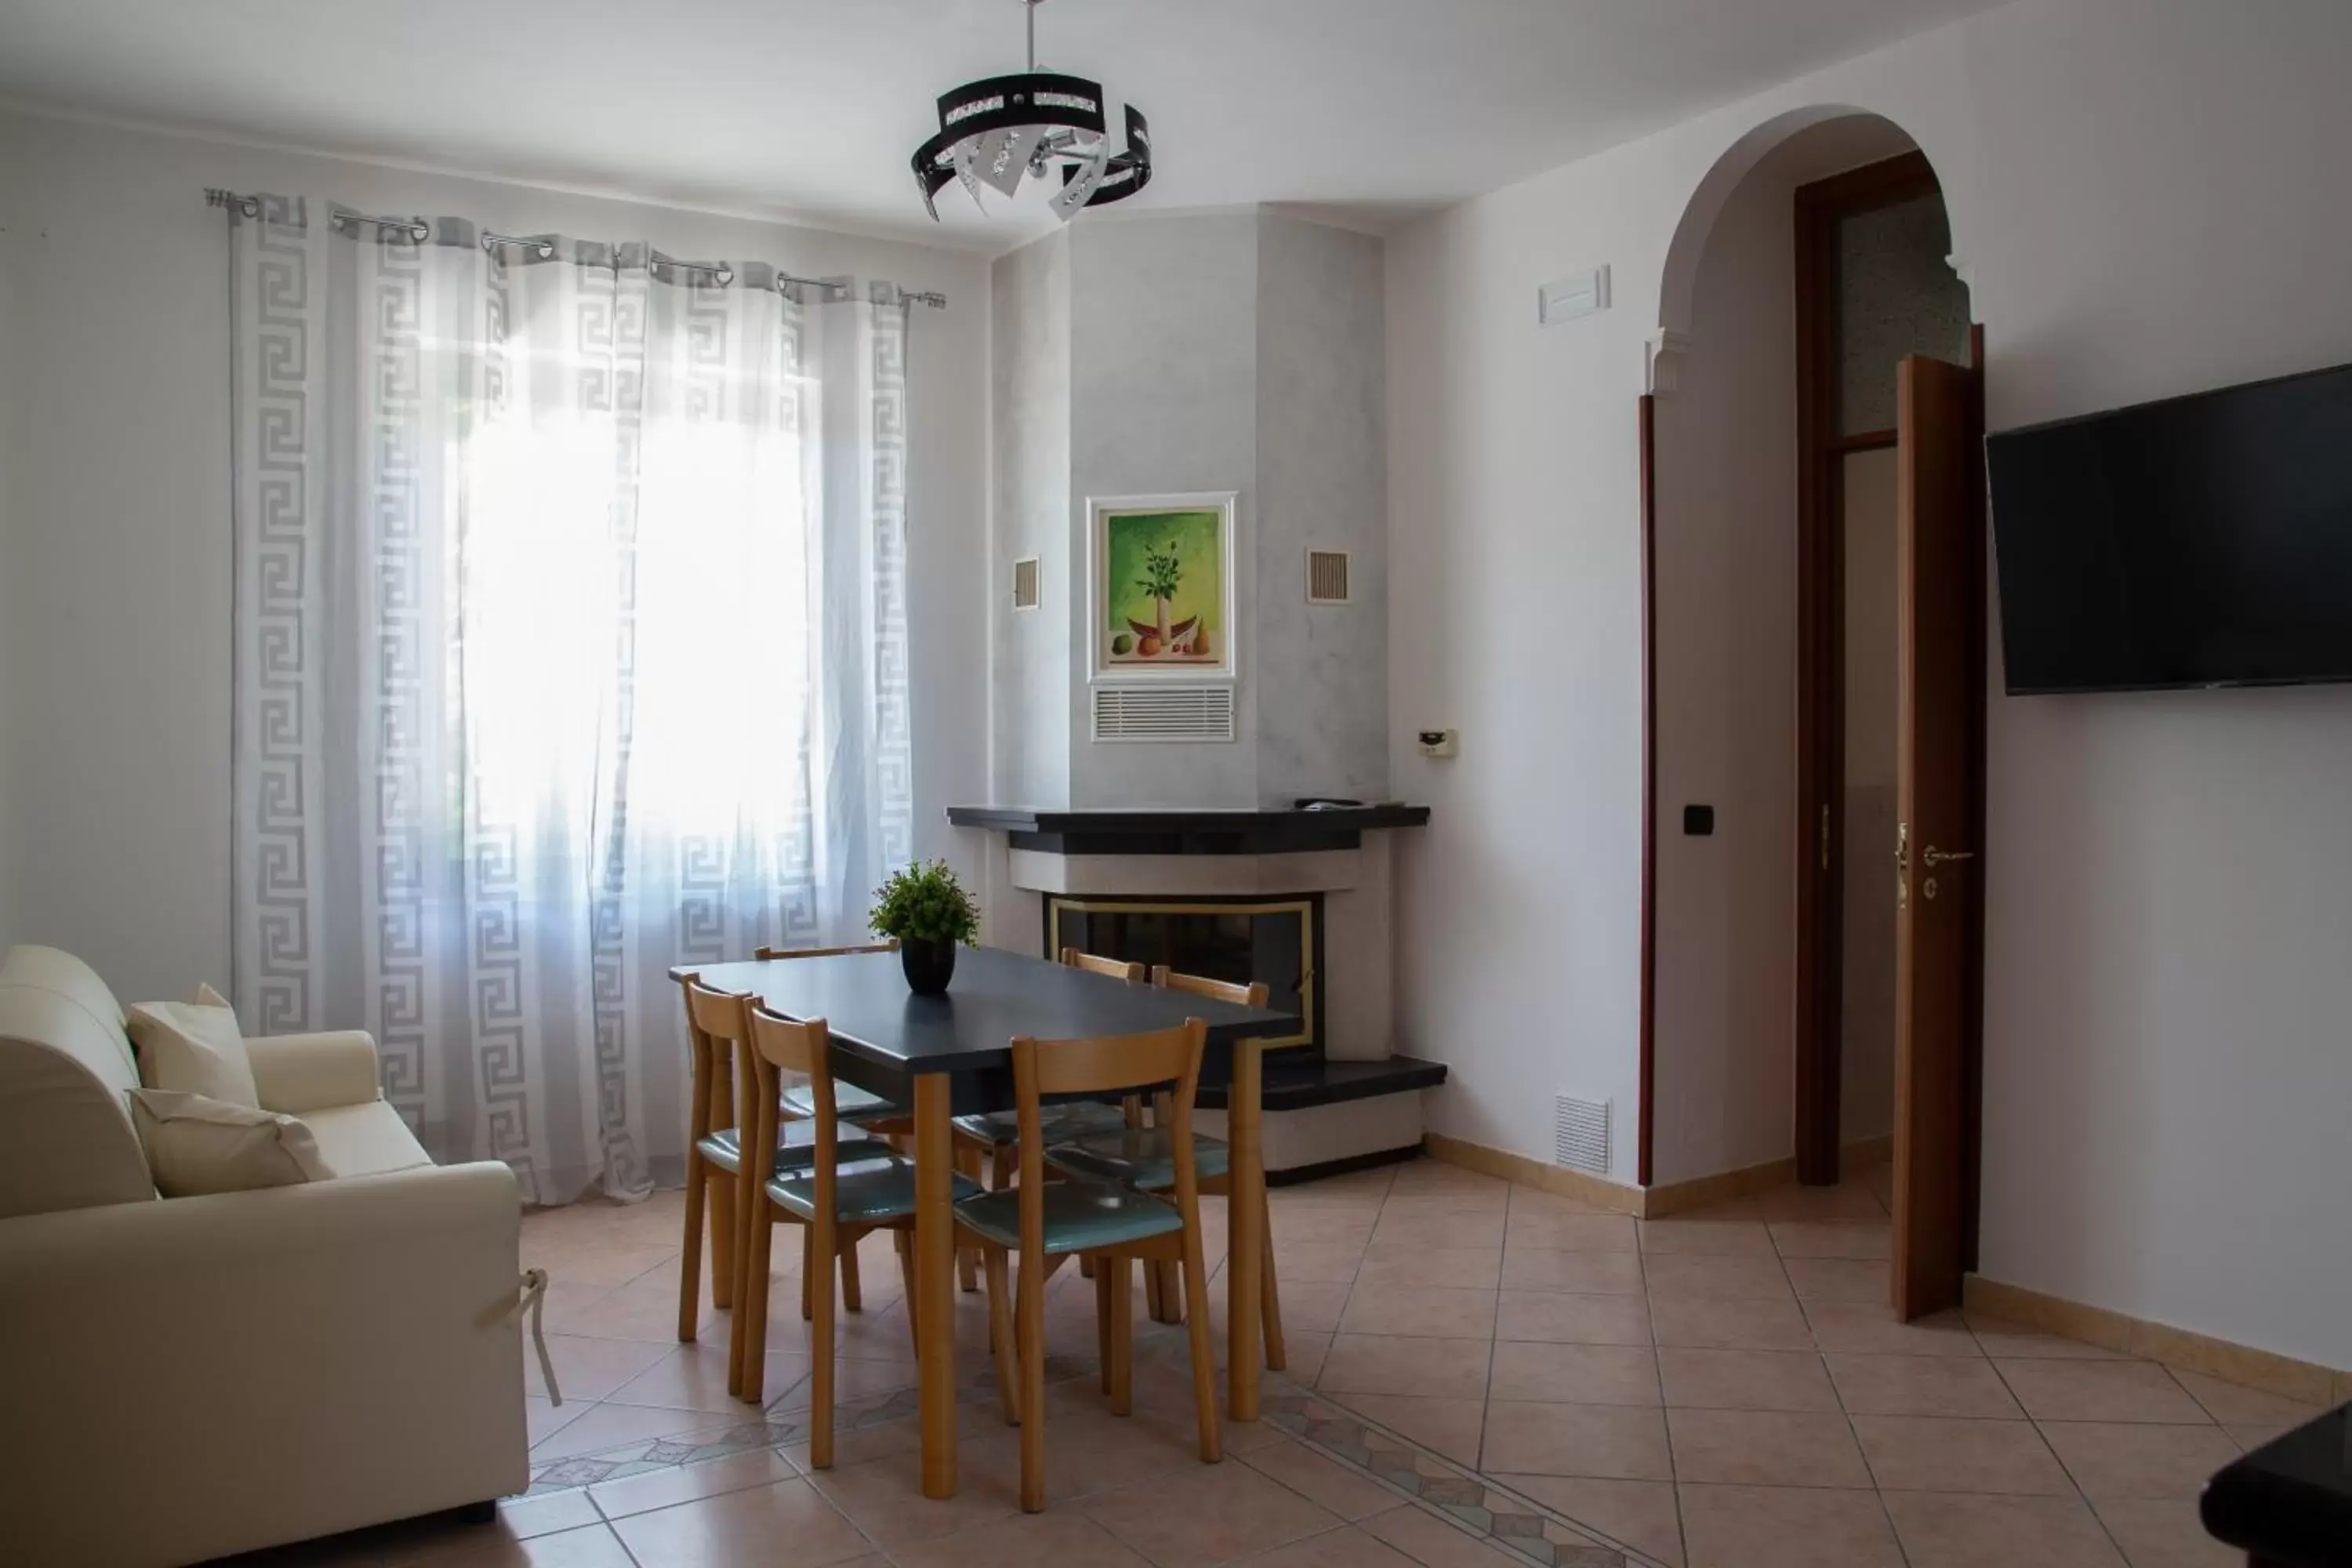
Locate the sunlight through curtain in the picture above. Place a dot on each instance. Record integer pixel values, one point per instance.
(571, 644)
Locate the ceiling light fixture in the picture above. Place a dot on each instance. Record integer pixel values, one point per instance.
(995, 130)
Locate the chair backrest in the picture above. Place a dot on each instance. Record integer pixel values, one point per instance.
(780, 1046)
(716, 1023)
(768, 954)
(1117, 968)
(1252, 994)
(1103, 1064)
(65, 1064)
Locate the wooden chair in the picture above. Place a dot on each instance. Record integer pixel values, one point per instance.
(1144, 1158)
(854, 1103)
(838, 1201)
(993, 1132)
(1048, 1222)
(718, 1034)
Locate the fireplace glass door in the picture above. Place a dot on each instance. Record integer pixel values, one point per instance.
(1277, 940)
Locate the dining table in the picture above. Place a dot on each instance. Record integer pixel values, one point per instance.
(950, 1055)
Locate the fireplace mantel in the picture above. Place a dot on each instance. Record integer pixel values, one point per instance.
(1147, 831)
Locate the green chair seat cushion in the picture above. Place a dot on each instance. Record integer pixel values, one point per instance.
(868, 1192)
(1058, 1123)
(849, 1102)
(1079, 1216)
(796, 1146)
(1139, 1157)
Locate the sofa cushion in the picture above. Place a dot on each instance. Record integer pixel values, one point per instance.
(66, 1138)
(365, 1140)
(192, 1049)
(196, 1145)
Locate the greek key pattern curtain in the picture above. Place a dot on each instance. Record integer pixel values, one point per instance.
(571, 644)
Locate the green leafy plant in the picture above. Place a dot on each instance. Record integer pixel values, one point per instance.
(925, 903)
(1161, 573)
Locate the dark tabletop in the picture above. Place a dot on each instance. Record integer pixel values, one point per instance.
(874, 1019)
(2290, 1500)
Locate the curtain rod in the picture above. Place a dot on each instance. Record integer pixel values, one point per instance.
(419, 231)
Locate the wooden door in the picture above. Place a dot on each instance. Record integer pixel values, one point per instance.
(1934, 859)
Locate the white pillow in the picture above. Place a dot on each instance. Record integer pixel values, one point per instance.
(193, 1048)
(197, 1145)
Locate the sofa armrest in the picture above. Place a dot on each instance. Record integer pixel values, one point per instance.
(269, 1365)
(296, 1073)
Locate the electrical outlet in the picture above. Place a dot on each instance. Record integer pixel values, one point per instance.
(1439, 743)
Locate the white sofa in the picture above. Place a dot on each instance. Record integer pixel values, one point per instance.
(185, 1377)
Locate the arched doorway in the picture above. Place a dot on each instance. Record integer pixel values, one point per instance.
(1809, 261)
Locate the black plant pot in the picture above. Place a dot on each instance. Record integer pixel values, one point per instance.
(930, 965)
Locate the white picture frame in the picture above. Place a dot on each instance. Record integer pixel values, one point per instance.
(1202, 632)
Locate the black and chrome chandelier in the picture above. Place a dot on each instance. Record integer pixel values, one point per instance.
(995, 131)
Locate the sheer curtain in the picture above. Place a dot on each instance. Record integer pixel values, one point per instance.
(569, 645)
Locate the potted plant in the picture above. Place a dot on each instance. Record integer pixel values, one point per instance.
(928, 910)
(1162, 573)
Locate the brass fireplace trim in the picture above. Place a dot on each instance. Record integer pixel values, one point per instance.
(1303, 908)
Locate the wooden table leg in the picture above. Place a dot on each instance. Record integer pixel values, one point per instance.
(935, 1281)
(1244, 1215)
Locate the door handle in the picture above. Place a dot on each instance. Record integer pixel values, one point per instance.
(1935, 856)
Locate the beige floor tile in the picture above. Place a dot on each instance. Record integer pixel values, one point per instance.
(1353, 1186)
(1872, 1329)
(684, 1483)
(568, 1299)
(1562, 1319)
(1848, 1200)
(1213, 1514)
(1750, 1237)
(2163, 1533)
(1435, 1178)
(1706, 1379)
(524, 1517)
(599, 1262)
(1346, 1547)
(1432, 1368)
(1639, 1514)
(1921, 1385)
(2100, 1391)
(787, 1525)
(543, 1418)
(1567, 1231)
(2138, 1459)
(1430, 1540)
(1345, 1491)
(1064, 1537)
(645, 1308)
(1765, 1448)
(2235, 1403)
(1764, 1324)
(1575, 1273)
(1088, 1449)
(1693, 1275)
(1427, 1311)
(1838, 1278)
(1314, 1305)
(1786, 1527)
(610, 1426)
(1412, 1227)
(1304, 1262)
(1832, 1239)
(589, 1546)
(1581, 1375)
(1447, 1427)
(693, 1377)
(1626, 1442)
(884, 1498)
(1934, 1453)
(2016, 1341)
(588, 1369)
(1950, 1531)
(2251, 1437)
(1442, 1203)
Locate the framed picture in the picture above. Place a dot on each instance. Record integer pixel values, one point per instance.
(1160, 596)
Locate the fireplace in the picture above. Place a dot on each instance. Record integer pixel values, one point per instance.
(1277, 940)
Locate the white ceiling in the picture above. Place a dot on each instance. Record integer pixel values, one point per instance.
(808, 110)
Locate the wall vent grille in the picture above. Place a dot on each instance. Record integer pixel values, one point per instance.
(1163, 713)
(1024, 584)
(1581, 1134)
(1327, 576)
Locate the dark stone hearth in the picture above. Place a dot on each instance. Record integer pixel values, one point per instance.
(1145, 832)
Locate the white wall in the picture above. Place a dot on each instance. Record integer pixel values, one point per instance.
(1029, 423)
(116, 557)
(2167, 976)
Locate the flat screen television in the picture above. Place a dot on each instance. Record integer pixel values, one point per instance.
(2202, 541)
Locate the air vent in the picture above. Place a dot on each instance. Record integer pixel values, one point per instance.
(1327, 576)
(1163, 713)
(1581, 1134)
(1024, 584)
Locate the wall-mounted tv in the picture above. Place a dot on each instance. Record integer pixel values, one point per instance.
(2202, 541)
